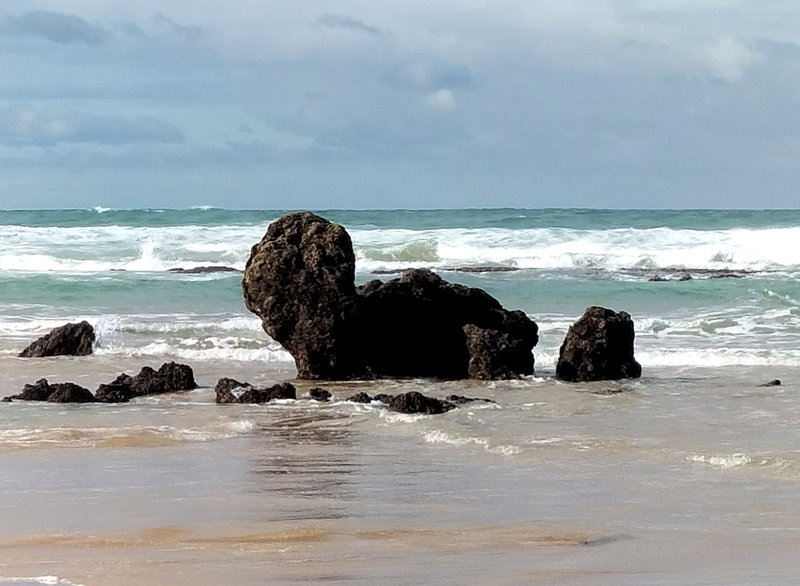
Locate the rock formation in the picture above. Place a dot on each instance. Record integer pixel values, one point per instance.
(55, 393)
(169, 378)
(226, 388)
(599, 346)
(300, 280)
(73, 339)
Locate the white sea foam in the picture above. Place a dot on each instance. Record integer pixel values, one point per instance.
(442, 437)
(105, 248)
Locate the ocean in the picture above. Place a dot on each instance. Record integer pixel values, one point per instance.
(685, 476)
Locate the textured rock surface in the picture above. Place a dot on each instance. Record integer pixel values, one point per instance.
(498, 355)
(300, 281)
(415, 402)
(414, 326)
(73, 339)
(55, 393)
(599, 346)
(170, 377)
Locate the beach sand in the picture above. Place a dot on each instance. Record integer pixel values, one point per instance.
(680, 477)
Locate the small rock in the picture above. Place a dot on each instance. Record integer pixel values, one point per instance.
(73, 339)
(319, 394)
(776, 382)
(361, 397)
(415, 402)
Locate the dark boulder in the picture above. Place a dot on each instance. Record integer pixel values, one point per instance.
(319, 394)
(300, 280)
(73, 339)
(599, 346)
(415, 402)
(70, 393)
(776, 382)
(278, 391)
(55, 393)
(117, 391)
(169, 378)
(414, 326)
(223, 391)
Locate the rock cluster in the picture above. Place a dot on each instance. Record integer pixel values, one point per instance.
(300, 280)
(169, 378)
(72, 339)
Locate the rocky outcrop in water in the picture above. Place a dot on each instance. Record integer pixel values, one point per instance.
(72, 339)
(300, 281)
(55, 393)
(169, 378)
(229, 390)
(599, 346)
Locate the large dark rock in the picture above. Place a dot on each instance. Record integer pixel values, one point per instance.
(414, 326)
(171, 377)
(599, 346)
(300, 281)
(67, 340)
(55, 393)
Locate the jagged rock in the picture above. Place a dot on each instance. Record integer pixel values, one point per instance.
(70, 393)
(118, 391)
(319, 394)
(169, 378)
(415, 402)
(224, 390)
(300, 281)
(599, 346)
(382, 398)
(72, 339)
(361, 397)
(497, 355)
(278, 391)
(55, 393)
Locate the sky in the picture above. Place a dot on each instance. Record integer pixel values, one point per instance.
(400, 104)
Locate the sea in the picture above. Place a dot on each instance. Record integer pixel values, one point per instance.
(688, 475)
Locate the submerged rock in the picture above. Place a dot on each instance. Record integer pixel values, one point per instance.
(278, 391)
(461, 400)
(599, 346)
(72, 339)
(300, 280)
(319, 394)
(415, 402)
(361, 397)
(226, 387)
(776, 382)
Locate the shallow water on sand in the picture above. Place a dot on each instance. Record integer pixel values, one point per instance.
(681, 477)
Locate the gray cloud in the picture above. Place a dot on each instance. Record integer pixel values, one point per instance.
(21, 125)
(338, 21)
(55, 27)
(429, 74)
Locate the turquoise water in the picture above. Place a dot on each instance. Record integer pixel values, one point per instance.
(667, 479)
(112, 267)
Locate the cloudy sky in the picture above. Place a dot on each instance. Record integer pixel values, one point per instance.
(400, 103)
